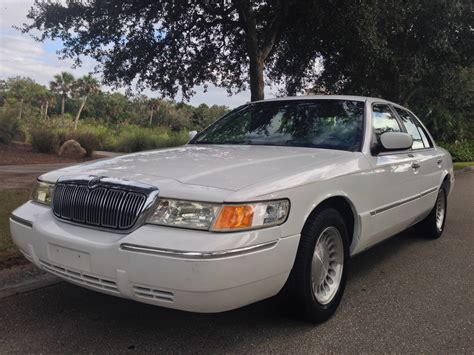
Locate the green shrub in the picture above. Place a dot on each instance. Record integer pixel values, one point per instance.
(461, 152)
(9, 125)
(88, 139)
(134, 139)
(44, 138)
(105, 137)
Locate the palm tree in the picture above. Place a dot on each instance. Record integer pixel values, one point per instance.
(153, 104)
(84, 87)
(62, 86)
(45, 98)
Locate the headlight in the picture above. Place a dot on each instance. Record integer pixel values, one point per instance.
(42, 192)
(219, 218)
(184, 214)
(252, 215)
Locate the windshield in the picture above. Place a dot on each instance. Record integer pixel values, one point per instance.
(330, 124)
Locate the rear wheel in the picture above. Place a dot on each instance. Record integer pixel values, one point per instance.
(318, 277)
(433, 225)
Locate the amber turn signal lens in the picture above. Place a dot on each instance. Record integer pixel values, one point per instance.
(234, 217)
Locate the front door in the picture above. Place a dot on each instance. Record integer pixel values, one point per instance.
(396, 191)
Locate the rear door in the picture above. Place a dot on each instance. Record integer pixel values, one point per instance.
(427, 158)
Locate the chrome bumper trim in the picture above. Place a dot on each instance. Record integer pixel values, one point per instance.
(196, 255)
(20, 220)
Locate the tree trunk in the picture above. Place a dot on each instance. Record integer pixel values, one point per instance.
(42, 110)
(257, 84)
(76, 121)
(46, 110)
(21, 109)
(62, 107)
(256, 60)
(151, 116)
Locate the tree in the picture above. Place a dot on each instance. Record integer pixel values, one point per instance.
(421, 53)
(19, 91)
(84, 87)
(175, 45)
(153, 104)
(23, 91)
(62, 86)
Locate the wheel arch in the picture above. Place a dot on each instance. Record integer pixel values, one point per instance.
(346, 208)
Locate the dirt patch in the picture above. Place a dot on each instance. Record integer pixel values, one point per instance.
(22, 270)
(23, 154)
(17, 181)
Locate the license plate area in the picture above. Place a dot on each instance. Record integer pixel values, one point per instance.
(71, 258)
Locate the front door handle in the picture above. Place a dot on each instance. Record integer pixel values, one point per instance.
(415, 165)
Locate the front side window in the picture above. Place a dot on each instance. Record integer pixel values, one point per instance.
(383, 120)
(411, 128)
(329, 124)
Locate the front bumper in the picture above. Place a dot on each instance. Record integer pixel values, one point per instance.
(176, 268)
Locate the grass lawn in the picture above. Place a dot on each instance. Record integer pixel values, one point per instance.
(458, 166)
(9, 200)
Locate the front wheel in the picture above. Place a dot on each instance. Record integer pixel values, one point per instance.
(318, 277)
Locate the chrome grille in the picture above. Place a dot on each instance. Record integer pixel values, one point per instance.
(106, 203)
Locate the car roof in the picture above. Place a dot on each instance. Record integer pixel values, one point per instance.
(327, 97)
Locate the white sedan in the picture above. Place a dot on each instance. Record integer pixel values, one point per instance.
(274, 197)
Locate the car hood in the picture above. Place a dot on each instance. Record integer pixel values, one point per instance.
(228, 167)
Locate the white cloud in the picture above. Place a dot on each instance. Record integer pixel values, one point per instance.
(21, 55)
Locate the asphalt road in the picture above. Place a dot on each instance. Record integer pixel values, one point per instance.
(405, 295)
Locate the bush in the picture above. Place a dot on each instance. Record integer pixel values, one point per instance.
(9, 125)
(88, 139)
(44, 138)
(134, 139)
(461, 152)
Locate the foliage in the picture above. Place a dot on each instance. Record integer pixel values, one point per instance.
(83, 88)
(460, 152)
(9, 125)
(134, 139)
(173, 46)
(43, 138)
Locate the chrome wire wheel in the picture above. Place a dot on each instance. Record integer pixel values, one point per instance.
(327, 265)
(440, 209)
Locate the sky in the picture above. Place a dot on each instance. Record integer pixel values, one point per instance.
(21, 55)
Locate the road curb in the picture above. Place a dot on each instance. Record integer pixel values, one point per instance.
(29, 285)
(464, 170)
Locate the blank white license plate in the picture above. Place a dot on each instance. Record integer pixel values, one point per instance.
(74, 259)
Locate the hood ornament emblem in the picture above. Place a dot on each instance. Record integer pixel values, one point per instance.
(94, 182)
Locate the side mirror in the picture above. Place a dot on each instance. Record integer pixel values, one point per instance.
(191, 135)
(396, 140)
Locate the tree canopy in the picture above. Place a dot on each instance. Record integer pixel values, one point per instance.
(173, 45)
(418, 53)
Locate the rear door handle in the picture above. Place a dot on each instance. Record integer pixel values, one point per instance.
(440, 161)
(415, 165)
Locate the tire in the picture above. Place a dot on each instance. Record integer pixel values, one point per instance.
(322, 230)
(432, 227)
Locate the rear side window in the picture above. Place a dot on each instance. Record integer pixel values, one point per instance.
(413, 127)
(383, 120)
